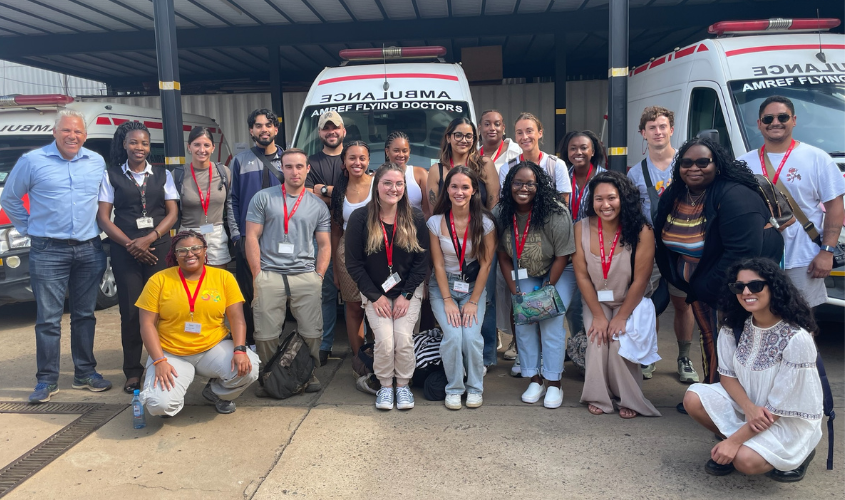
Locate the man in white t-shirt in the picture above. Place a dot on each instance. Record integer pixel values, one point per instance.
(493, 142)
(812, 179)
(657, 126)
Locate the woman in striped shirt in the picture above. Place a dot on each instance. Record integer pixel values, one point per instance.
(710, 217)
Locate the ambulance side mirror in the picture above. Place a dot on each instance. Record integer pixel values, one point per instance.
(710, 133)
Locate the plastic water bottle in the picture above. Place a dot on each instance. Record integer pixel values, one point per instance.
(139, 421)
(536, 288)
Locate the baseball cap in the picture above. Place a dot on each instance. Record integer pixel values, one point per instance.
(330, 116)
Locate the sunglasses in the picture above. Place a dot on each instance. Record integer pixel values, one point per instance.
(184, 250)
(699, 162)
(755, 286)
(782, 117)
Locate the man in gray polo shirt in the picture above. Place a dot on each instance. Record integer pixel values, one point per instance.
(282, 224)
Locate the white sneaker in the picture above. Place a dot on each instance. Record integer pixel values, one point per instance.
(453, 401)
(554, 397)
(474, 400)
(384, 398)
(516, 370)
(484, 373)
(534, 392)
(510, 353)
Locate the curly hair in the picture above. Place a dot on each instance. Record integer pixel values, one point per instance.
(546, 202)
(170, 260)
(631, 218)
(785, 302)
(474, 161)
(598, 158)
(476, 208)
(117, 153)
(726, 168)
(339, 191)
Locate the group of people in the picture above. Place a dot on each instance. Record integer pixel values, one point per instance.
(493, 220)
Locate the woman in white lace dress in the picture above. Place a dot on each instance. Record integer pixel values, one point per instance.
(768, 404)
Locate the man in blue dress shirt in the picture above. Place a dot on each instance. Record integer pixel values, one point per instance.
(66, 256)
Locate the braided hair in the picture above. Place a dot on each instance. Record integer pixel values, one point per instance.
(117, 153)
(396, 134)
(546, 202)
(339, 191)
(182, 235)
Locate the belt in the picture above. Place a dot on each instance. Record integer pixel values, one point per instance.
(72, 243)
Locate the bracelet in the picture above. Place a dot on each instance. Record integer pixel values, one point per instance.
(158, 235)
(240, 352)
(473, 303)
(159, 360)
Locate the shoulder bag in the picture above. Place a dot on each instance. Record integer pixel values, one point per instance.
(537, 305)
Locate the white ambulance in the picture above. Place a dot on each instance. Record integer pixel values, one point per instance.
(418, 98)
(26, 123)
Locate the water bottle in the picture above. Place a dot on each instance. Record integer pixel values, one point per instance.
(536, 288)
(139, 421)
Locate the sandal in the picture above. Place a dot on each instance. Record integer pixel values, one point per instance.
(130, 387)
(627, 411)
(595, 410)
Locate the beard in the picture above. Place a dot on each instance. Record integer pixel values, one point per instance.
(332, 142)
(263, 142)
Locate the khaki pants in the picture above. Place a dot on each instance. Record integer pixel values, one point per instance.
(393, 355)
(269, 308)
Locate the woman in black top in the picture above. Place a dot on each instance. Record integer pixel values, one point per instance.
(710, 217)
(387, 256)
(144, 199)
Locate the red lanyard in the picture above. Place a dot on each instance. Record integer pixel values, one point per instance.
(577, 205)
(520, 244)
(459, 249)
(293, 211)
(498, 151)
(192, 299)
(605, 266)
(388, 247)
(782, 162)
(203, 203)
(522, 158)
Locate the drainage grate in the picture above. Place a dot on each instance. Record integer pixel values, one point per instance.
(92, 417)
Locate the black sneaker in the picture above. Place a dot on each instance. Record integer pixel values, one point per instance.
(223, 406)
(794, 475)
(324, 357)
(715, 469)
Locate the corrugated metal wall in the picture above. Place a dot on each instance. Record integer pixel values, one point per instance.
(19, 79)
(586, 106)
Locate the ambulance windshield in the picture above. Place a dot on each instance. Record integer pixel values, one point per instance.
(11, 149)
(819, 105)
(424, 122)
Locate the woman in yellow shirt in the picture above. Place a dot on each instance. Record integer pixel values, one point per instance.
(182, 310)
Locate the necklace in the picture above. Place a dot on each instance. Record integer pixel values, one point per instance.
(696, 200)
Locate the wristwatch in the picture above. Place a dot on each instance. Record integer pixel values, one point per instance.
(240, 348)
(324, 190)
(408, 295)
(828, 248)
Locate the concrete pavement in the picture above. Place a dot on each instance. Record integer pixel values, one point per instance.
(335, 444)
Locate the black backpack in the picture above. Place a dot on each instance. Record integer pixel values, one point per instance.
(827, 405)
(289, 370)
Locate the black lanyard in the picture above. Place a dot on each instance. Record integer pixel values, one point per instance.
(141, 189)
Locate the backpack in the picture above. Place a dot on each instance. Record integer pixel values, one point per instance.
(178, 174)
(827, 404)
(289, 370)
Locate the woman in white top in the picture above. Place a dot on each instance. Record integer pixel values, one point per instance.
(768, 403)
(461, 261)
(397, 149)
(353, 191)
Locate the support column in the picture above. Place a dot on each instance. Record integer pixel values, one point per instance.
(617, 74)
(276, 94)
(560, 91)
(169, 86)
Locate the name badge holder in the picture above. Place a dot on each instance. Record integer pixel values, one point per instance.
(606, 295)
(142, 222)
(286, 247)
(461, 285)
(191, 326)
(519, 273)
(394, 278)
(204, 201)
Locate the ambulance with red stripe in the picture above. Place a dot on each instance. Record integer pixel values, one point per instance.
(388, 94)
(26, 123)
(719, 84)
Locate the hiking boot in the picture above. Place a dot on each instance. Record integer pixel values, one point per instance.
(43, 392)
(94, 382)
(221, 405)
(686, 372)
(647, 371)
(404, 398)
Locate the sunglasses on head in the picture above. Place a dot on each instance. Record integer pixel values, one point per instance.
(699, 162)
(782, 117)
(755, 286)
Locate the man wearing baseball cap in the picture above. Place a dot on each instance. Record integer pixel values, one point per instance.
(326, 170)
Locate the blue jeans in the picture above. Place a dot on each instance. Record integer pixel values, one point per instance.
(551, 339)
(488, 328)
(574, 313)
(329, 308)
(462, 347)
(57, 270)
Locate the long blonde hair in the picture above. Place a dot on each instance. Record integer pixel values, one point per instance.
(406, 230)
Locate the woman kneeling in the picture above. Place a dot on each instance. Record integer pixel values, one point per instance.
(182, 311)
(769, 401)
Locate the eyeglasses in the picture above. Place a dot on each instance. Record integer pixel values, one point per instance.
(528, 185)
(755, 286)
(181, 252)
(699, 162)
(460, 136)
(390, 185)
(782, 117)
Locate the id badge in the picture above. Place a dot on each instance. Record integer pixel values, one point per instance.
(461, 287)
(207, 229)
(519, 274)
(286, 248)
(390, 282)
(144, 222)
(192, 327)
(605, 295)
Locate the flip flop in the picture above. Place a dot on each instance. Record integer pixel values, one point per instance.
(595, 410)
(623, 409)
(130, 387)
